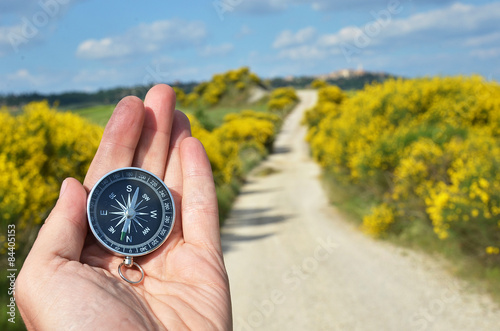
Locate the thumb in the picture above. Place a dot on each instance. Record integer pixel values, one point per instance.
(64, 231)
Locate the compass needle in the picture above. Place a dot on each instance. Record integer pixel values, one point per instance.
(134, 199)
(126, 228)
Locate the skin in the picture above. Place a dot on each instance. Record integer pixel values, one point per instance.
(69, 282)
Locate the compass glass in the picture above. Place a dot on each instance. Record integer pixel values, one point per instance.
(131, 211)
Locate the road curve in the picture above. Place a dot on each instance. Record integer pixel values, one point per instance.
(295, 264)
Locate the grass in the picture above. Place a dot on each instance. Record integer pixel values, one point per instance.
(354, 202)
(101, 114)
(216, 114)
(96, 114)
(226, 194)
(349, 199)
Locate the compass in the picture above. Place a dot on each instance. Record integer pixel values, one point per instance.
(131, 212)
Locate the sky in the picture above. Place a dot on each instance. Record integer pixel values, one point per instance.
(52, 46)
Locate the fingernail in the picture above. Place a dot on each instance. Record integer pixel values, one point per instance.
(63, 187)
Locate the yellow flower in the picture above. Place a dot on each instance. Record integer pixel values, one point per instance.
(491, 250)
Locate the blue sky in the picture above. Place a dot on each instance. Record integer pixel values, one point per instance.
(61, 45)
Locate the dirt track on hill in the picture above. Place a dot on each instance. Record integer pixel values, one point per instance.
(295, 264)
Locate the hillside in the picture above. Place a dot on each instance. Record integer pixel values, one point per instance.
(81, 99)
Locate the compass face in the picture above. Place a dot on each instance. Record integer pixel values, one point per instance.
(131, 211)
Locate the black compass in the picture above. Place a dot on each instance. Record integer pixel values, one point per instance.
(131, 212)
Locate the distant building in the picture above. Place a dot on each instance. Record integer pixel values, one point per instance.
(349, 73)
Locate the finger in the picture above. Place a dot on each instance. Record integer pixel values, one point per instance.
(200, 217)
(63, 233)
(181, 129)
(152, 150)
(119, 141)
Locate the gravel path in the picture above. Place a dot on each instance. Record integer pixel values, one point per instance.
(295, 264)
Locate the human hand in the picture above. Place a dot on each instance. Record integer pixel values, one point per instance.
(68, 281)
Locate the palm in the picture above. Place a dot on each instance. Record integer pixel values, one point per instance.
(186, 285)
(179, 278)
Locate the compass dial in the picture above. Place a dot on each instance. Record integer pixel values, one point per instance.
(131, 211)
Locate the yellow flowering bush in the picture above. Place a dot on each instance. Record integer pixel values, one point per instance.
(190, 99)
(379, 220)
(250, 128)
(318, 83)
(209, 94)
(214, 90)
(239, 131)
(223, 155)
(180, 95)
(282, 100)
(329, 99)
(428, 146)
(492, 250)
(38, 150)
(235, 147)
(241, 86)
(12, 191)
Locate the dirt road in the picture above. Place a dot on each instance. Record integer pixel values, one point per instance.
(295, 264)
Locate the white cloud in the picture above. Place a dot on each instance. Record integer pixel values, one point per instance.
(345, 34)
(14, 37)
(457, 16)
(459, 24)
(260, 6)
(30, 7)
(97, 76)
(329, 5)
(218, 50)
(144, 38)
(17, 6)
(274, 6)
(20, 74)
(304, 53)
(488, 53)
(489, 38)
(30, 21)
(5, 32)
(457, 21)
(288, 38)
(104, 48)
(24, 77)
(245, 31)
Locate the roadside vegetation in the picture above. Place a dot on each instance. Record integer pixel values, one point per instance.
(418, 161)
